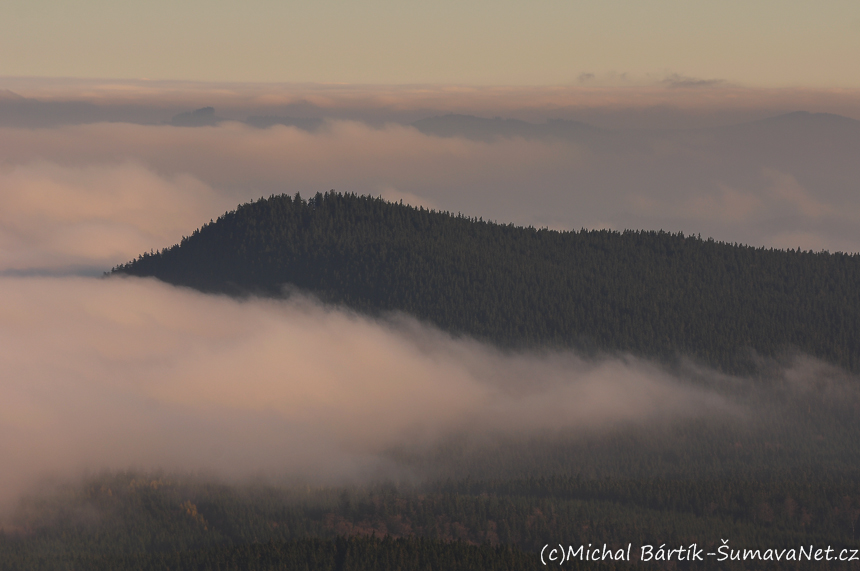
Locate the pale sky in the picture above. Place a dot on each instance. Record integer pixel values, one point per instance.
(760, 43)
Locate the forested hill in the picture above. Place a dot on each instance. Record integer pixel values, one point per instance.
(655, 294)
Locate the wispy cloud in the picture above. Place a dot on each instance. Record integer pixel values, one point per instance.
(117, 373)
(56, 219)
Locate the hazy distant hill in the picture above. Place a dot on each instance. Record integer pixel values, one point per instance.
(797, 126)
(203, 117)
(802, 120)
(481, 129)
(18, 111)
(206, 117)
(651, 293)
(780, 138)
(266, 121)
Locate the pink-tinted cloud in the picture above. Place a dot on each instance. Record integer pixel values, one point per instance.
(118, 373)
(88, 217)
(729, 184)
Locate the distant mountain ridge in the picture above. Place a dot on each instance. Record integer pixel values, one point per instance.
(206, 117)
(266, 121)
(484, 129)
(203, 117)
(481, 129)
(654, 294)
(809, 117)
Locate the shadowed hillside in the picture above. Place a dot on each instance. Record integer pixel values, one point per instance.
(655, 294)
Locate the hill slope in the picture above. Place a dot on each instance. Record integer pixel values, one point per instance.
(651, 293)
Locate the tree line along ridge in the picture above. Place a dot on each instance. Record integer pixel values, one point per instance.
(650, 293)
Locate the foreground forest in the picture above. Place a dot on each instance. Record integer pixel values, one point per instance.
(653, 294)
(149, 522)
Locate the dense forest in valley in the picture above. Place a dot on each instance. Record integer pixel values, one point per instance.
(156, 522)
(654, 294)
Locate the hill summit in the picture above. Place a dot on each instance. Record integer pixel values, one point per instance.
(654, 294)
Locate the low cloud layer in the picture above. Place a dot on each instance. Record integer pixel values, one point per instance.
(62, 219)
(619, 101)
(117, 373)
(101, 194)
